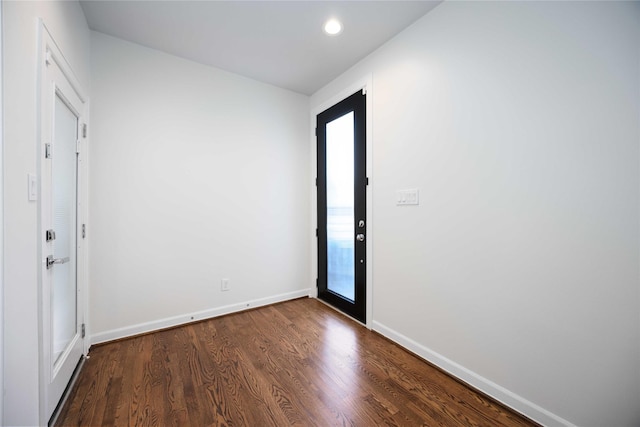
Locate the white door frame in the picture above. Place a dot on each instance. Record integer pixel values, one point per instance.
(50, 55)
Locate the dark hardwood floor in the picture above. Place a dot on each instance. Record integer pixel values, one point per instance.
(293, 363)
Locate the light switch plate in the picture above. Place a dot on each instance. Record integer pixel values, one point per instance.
(407, 197)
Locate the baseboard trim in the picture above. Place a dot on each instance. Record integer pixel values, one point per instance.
(501, 394)
(169, 322)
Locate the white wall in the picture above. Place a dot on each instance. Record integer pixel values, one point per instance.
(1, 229)
(196, 175)
(519, 270)
(67, 24)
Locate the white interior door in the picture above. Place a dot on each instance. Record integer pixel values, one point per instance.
(62, 309)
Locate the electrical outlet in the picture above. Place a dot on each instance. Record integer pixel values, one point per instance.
(224, 285)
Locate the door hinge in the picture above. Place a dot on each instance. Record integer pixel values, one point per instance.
(316, 232)
(78, 146)
(84, 331)
(47, 151)
(316, 131)
(316, 283)
(367, 181)
(84, 130)
(84, 231)
(316, 182)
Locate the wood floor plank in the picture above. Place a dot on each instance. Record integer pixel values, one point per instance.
(297, 363)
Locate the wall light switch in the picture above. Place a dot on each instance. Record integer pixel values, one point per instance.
(407, 197)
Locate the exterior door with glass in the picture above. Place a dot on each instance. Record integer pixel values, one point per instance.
(342, 222)
(62, 108)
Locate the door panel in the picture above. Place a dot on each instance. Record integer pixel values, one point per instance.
(64, 190)
(342, 181)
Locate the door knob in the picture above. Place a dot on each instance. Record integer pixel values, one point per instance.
(51, 260)
(360, 237)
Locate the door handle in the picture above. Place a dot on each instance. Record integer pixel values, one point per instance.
(360, 237)
(51, 260)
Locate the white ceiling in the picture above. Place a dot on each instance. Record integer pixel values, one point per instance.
(277, 42)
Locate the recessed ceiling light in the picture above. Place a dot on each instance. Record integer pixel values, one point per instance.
(332, 27)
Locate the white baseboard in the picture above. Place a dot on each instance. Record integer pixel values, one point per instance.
(502, 395)
(168, 322)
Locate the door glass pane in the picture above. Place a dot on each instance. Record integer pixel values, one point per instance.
(340, 206)
(63, 310)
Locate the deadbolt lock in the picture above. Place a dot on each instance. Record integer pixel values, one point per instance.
(50, 235)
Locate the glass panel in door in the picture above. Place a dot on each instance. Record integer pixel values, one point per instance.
(340, 206)
(64, 170)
